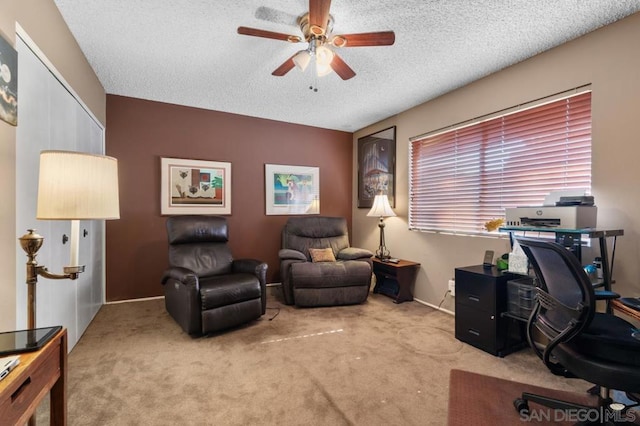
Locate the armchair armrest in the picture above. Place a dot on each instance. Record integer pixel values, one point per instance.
(291, 254)
(257, 268)
(250, 266)
(183, 275)
(354, 253)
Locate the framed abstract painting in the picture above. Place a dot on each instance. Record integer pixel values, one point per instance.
(292, 190)
(195, 187)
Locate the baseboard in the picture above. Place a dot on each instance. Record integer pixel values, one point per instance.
(142, 299)
(446, 311)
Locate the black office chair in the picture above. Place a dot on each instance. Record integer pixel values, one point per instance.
(582, 343)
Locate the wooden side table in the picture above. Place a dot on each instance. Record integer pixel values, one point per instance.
(396, 280)
(40, 373)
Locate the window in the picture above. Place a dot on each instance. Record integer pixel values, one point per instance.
(466, 176)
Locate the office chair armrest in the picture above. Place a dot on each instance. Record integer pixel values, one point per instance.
(183, 275)
(606, 295)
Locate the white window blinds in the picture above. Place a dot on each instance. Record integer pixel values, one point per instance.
(462, 178)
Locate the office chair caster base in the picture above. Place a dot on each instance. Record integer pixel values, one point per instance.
(522, 407)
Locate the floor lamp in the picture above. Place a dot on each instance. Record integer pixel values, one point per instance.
(72, 186)
(381, 208)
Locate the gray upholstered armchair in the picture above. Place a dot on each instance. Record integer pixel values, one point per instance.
(205, 289)
(338, 275)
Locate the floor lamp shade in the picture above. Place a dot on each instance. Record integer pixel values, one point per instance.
(71, 186)
(77, 185)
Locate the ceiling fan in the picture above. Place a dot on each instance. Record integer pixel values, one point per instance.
(316, 27)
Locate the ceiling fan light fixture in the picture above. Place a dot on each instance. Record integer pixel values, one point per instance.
(302, 59)
(322, 70)
(324, 56)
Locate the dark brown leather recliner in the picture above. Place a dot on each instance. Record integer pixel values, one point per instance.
(205, 289)
(344, 281)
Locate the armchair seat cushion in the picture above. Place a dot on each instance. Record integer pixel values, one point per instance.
(331, 274)
(222, 290)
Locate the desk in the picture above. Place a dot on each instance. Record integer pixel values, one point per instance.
(570, 238)
(395, 279)
(618, 306)
(38, 373)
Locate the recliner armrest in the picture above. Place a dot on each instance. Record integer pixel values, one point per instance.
(250, 266)
(183, 275)
(354, 253)
(291, 254)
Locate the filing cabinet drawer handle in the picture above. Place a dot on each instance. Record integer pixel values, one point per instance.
(473, 298)
(474, 332)
(22, 387)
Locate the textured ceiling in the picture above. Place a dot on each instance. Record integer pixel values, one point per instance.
(188, 52)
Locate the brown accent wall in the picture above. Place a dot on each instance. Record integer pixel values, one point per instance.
(140, 132)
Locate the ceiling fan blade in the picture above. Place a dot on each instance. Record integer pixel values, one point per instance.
(268, 34)
(285, 67)
(319, 15)
(381, 38)
(341, 68)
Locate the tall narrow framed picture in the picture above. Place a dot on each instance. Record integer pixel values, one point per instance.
(292, 189)
(8, 83)
(195, 187)
(377, 167)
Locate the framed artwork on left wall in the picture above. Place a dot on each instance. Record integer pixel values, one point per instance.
(195, 187)
(8, 83)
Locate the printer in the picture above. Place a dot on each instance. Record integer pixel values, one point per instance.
(562, 217)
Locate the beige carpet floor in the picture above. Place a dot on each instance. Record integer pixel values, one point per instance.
(373, 364)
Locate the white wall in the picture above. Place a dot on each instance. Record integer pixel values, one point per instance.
(42, 21)
(609, 60)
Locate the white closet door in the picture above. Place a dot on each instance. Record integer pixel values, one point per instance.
(50, 117)
(90, 297)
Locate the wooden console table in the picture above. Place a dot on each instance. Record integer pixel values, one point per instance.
(395, 279)
(38, 373)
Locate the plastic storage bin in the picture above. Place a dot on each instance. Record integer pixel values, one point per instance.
(521, 297)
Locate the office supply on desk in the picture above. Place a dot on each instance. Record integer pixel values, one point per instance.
(13, 342)
(7, 364)
(488, 259)
(567, 217)
(576, 200)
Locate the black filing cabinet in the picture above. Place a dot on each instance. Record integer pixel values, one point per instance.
(481, 298)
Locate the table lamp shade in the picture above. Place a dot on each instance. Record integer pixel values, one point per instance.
(77, 185)
(381, 207)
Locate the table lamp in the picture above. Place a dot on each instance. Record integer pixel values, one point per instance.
(72, 186)
(314, 206)
(381, 208)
